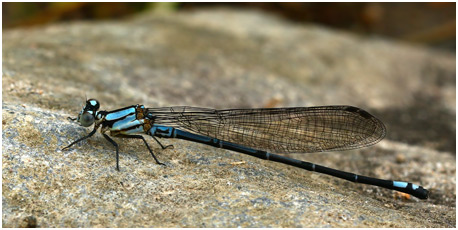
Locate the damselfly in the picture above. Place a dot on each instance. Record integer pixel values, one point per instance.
(255, 132)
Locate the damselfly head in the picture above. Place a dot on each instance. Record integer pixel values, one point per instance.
(87, 115)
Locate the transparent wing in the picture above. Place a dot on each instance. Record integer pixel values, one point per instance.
(280, 130)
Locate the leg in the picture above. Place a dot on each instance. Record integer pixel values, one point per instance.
(147, 146)
(83, 138)
(117, 149)
(161, 144)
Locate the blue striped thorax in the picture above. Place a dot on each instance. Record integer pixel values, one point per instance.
(125, 121)
(128, 122)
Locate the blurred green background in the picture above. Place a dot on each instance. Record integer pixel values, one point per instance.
(429, 24)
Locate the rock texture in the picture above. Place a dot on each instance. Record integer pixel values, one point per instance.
(220, 59)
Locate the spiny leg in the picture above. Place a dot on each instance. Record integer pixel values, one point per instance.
(161, 143)
(147, 146)
(83, 138)
(117, 149)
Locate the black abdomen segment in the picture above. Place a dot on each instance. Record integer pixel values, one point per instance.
(409, 188)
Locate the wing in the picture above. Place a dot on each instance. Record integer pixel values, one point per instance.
(280, 130)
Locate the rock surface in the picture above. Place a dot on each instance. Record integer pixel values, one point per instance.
(220, 59)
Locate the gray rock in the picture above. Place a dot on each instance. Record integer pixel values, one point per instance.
(219, 59)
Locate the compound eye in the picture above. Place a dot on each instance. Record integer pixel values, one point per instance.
(93, 104)
(86, 119)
